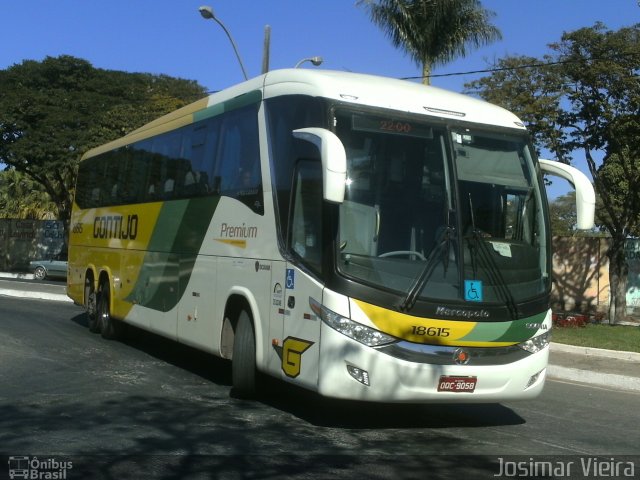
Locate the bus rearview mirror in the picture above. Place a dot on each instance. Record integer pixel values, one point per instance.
(334, 161)
(585, 196)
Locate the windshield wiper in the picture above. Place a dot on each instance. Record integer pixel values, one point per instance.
(492, 269)
(443, 246)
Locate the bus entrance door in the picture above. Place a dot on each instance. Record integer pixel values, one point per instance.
(298, 349)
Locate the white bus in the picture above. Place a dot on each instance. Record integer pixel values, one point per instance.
(362, 237)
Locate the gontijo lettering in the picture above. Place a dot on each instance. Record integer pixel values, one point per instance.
(238, 231)
(116, 226)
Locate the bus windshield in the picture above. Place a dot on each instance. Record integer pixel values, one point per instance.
(437, 213)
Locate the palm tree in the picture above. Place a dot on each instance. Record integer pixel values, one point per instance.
(433, 32)
(21, 197)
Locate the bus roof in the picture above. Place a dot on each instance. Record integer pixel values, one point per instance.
(359, 89)
(391, 93)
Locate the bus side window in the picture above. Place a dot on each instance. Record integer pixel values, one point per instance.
(306, 218)
(238, 164)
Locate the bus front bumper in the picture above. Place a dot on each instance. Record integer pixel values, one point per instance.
(351, 370)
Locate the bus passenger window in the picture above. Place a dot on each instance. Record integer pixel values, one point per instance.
(238, 164)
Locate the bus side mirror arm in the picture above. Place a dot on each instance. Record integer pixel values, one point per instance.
(585, 196)
(334, 161)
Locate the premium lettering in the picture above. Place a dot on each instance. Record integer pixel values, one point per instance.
(238, 231)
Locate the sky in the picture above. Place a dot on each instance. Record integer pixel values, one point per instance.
(170, 37)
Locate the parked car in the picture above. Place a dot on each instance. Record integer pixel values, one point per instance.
(56, 266)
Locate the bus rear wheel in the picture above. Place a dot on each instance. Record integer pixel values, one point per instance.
(90, 305)
(243, 363)
(110, 328)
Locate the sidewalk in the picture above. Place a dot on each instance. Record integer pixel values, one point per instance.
(594, 366)
(17, 285)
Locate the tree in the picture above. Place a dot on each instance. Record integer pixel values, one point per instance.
(585, 97)
(562, 212)
(53, 111)
(21, 197)
(433, 32)
(563, 216)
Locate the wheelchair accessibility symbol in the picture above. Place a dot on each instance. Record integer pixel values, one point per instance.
(473, 290)
(290, 281)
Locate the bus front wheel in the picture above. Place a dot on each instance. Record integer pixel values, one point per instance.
(243, 362)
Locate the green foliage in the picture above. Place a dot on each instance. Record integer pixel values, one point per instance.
(610, 337)
(534, 92)
(21, 197)
(585, 96)
(433, 32)
(53, 111)
(563, 215)
(562, 212)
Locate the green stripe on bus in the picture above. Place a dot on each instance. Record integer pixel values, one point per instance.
(172, 252)
(523, 329)
(514, 331)
(486, 332)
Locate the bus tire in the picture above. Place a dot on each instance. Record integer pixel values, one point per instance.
(90, 305)
(110, 328)
(243, 363)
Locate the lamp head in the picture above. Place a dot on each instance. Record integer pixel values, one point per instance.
(206, 12)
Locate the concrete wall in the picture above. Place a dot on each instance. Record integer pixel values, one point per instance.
(581, 275)
(24, 240)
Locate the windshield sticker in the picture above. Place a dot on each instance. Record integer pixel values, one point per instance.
(503, 249)
(473, 290)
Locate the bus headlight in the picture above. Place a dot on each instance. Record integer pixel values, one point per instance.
(360, 333)
(535, 344)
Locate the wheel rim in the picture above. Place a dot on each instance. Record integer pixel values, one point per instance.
(40, 273)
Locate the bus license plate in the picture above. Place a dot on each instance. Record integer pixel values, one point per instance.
(457, 384)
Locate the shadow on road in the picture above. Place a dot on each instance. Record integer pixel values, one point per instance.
(312, 408)
(195, 361)
(327, 412)
(122, 410)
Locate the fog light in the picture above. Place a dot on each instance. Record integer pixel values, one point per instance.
(360, 375)
(533, 379)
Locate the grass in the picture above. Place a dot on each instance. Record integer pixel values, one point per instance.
(611, 337)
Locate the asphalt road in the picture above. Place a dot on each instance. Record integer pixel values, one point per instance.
(149, 408)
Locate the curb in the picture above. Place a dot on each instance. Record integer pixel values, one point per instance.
(59, 297)
(595, 352)
(19, 275)
(609, 380)
(594, 377)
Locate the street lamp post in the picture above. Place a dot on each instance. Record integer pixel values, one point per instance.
(315, 60)
(207, 14)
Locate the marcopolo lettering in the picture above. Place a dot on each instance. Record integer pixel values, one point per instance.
(460, 312)
(238, 231)
(116, 226)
